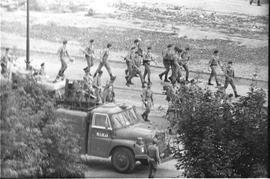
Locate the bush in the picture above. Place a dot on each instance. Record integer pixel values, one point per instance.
(34, 143)
(220, 138)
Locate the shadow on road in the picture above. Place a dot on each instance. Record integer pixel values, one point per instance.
(99, 167)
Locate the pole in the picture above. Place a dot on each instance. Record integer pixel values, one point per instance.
(27, 36)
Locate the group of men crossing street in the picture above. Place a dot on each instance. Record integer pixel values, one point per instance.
(175, 59)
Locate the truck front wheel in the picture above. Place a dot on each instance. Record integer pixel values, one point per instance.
(123, 160)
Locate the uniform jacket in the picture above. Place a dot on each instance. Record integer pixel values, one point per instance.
(153, 153)
(229, 73)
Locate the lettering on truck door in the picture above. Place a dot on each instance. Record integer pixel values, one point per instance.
(101, 135)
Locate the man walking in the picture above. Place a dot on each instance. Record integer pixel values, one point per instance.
(97, 86)
(213, 63)
(89, 54)
(229, 76)
(105, 62)
(147, 58)
(5, 60)
(147, 98)
(136, 64)
(88, 84)
(138, 48)
(185, 57)
(153, 158)
(167, 61)
(129, 60)
(108, 95)
(63, 55)
(176, 66)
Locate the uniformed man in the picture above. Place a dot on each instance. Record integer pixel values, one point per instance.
(42, 69)
(89, 54)
(136, 64)
(63, 55)
(147, 58)
(40, 73)
(147, 98)
(137, 45)
(229, 77)
(258, 2)
(185, 57)
(5, 59)
(153, 158)
(105, 62)
(167, 61)
(176, 66)
(97, 86)
(129, 60)
(108, 95)
(213, 64)
(88, 83)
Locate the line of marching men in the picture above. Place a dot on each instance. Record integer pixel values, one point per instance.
(174, 59)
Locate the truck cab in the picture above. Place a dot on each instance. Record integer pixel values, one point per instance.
(115, 131)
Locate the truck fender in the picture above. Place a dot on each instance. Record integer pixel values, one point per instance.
(131, 145)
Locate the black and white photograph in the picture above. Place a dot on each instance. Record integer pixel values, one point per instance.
(134, 88)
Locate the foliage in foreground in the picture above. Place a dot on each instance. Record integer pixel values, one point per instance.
(220, 138)
(34, 143)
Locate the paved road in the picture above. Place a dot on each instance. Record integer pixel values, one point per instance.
(102, 168)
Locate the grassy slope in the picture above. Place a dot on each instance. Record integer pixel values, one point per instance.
(121, 40)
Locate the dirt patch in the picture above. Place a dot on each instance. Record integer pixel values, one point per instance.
(122, 40)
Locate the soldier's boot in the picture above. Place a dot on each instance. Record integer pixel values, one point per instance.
(166, 78)
(209, 82)
(236, 95)
(143, 116)
(160, 76)
(128, 83)
(146, 118)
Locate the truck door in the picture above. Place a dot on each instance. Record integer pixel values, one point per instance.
(101, 135)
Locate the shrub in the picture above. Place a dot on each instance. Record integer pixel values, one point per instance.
(220, 138)
(34, 143)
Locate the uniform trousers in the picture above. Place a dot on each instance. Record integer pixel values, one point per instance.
(167, 64)
(229, 81)
(152, 168)
(213, 74)
(107, 66)
(147, 72)
(62, 69)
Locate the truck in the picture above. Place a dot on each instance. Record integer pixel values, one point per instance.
(105, 130)
(116, 131)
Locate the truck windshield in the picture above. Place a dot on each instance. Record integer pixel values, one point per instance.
(124, 119)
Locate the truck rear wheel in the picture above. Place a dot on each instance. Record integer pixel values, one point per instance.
(123, 160)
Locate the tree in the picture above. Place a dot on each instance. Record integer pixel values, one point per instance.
(34, 142)
(220, 138)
